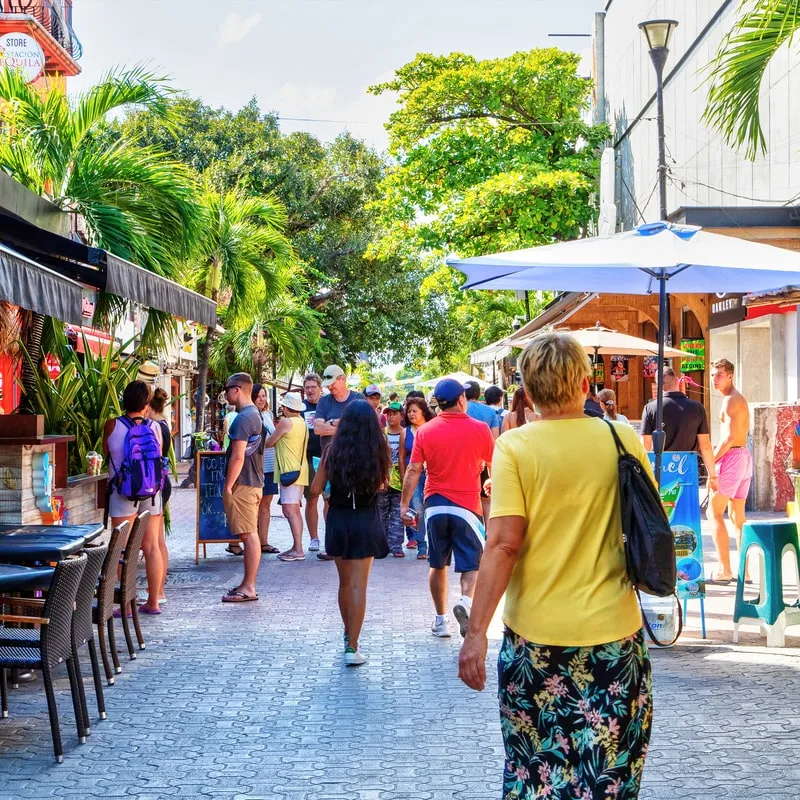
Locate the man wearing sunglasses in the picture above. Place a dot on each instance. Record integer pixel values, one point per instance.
(244, 480)
(331, 407)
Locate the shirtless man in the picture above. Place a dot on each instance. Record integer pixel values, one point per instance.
(734, 465)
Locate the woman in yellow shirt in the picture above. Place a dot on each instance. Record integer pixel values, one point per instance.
(574, 672)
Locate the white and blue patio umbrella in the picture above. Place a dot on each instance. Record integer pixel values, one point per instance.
(654, 258)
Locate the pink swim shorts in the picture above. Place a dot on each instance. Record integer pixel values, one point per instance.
(735, 471)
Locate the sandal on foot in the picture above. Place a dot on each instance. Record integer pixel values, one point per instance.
(239, 552)
(143, 609)
(715, 580)
(268, 548)
(238, 596)
(291, 557)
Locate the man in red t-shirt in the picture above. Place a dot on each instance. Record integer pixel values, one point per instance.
(454, 449)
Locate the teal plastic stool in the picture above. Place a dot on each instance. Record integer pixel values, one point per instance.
(773, 539)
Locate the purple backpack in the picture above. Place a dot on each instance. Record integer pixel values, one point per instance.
(141, 474)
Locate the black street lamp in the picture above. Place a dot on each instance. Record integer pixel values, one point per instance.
(658, 32)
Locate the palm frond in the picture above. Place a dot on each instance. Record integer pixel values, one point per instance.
(736, 74)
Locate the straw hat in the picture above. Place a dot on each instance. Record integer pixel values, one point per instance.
(293, 401)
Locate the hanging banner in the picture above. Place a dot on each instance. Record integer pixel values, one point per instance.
(680, 494)
(619, 369)
(649, 366)
(697, 347)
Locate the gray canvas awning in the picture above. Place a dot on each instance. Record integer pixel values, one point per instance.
(29, 285)
(148, 289)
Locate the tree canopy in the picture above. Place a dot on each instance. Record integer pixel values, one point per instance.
(490, 155)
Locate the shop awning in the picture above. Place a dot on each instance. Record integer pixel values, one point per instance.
(91, 266)
(36, 288)
(134, 283)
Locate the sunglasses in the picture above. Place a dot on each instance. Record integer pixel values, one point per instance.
(231, 386)
(330, 377)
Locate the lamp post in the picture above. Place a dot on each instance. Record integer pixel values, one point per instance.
(658, 32)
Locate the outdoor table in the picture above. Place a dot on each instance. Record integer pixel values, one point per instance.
(16, 578)
(43, 543)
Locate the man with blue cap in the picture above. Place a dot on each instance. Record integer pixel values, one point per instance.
(454, 448)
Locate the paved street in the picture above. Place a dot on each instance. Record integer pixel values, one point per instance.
(252, 701)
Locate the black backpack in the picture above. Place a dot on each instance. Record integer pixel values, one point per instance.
(646, 534)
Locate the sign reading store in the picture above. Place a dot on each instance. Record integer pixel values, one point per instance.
(23, 54)
(726, 309)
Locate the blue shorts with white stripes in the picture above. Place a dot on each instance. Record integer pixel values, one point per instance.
(452, 529)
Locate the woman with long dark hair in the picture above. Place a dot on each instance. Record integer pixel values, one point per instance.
(357, 466)
(521, 411)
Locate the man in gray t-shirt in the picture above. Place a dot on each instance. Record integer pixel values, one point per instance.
(244, 479)
(331, 407)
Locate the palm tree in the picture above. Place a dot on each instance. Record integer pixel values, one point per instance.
(134, 201)
(737, 72)
(241, 257)
(284, 332)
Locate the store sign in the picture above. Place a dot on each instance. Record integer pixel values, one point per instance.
(599, 369)
(649, 366)
(23, 54)
(726, 309)
(697, 347)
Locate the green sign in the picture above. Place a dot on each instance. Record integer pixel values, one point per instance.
(697, 347)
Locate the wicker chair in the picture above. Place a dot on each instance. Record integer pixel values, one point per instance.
(82, 630)
(125, 595)
(103, 611)
(55, 644)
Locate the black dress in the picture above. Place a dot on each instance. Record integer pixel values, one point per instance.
(353, 527)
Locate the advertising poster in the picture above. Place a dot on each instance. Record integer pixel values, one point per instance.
(680, 494)
(619, 369)
(697, 347)
(649, 365)
(599, 369)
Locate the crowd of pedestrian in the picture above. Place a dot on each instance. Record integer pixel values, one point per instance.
(497, 493)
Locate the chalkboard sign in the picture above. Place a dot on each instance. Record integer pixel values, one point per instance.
(211, 523)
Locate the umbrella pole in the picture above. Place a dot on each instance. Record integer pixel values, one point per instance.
(663, 319)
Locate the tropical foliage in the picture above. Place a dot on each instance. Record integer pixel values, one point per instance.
(241, 258)
(83, 397)
(737, 73)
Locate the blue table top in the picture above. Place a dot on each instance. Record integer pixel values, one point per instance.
(16, 578)
(29, 543)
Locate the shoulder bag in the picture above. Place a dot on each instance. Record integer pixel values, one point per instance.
(646, 534)
(288, 478)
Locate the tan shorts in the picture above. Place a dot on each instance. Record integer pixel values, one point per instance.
(241, 509)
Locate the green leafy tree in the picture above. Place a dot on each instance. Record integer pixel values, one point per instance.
(737, 73)
(490, 155)
(242, 255)
(365, 304)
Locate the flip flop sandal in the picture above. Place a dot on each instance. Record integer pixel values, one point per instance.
(118, 614)
(143, 609)
(268, 548)
(291, 558)
(235, 596)
(239, 552)
(714, 581)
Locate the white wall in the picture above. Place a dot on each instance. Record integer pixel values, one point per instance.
(792, 377)
(703, 172)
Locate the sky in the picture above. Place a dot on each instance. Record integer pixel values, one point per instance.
(310, 59)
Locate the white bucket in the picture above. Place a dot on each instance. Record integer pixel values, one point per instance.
(662, 615)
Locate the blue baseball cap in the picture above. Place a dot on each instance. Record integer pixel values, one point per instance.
(448, 391)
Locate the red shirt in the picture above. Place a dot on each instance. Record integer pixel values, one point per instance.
(454, 448)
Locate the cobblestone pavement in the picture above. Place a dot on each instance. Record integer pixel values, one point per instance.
(252, 701)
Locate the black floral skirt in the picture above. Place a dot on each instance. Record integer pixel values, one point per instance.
(575, 720)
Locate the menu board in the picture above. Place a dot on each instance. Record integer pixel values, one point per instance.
(680, 495)
(211, 523)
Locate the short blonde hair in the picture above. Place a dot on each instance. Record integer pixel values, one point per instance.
(553, 367)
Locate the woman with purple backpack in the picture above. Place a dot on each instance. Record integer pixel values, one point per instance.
(133, 448)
